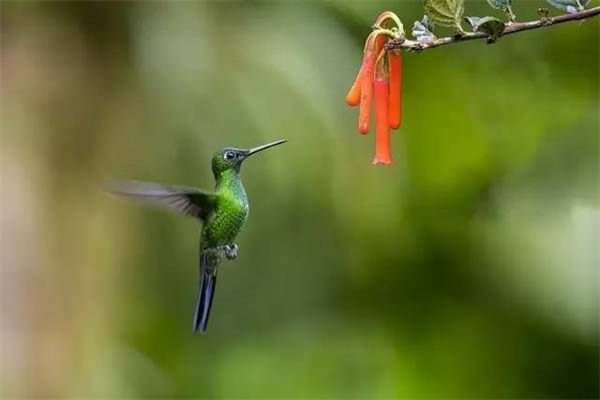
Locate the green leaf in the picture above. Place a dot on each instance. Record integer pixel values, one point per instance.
(504, 5)
(445, 12)
(499, 4)
(473, 22)
(491, 26)
(421, 30)
(570, 6)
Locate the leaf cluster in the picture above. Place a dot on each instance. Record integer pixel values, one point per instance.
(450, 13)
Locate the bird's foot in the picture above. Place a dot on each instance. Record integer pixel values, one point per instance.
(231, 251)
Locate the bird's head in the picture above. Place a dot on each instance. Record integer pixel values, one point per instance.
(231, 158)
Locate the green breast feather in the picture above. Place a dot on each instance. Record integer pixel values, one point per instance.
(225, 223)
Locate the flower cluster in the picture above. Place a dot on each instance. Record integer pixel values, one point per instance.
(380, 76)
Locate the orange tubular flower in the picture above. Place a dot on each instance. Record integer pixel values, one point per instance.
(395, 68)
(366, 87)
(367, 74)
(353, 96)
(383, 154)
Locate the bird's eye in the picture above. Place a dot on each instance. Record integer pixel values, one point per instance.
(230, 155)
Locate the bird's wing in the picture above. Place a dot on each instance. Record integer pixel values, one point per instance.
(184, 200)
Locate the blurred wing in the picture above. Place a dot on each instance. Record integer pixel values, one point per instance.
(188, 201)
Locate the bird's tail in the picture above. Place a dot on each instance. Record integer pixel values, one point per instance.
(208, 281)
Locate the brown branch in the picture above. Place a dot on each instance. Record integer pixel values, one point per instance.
(511, 27)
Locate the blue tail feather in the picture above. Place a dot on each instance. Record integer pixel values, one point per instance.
(208, 282)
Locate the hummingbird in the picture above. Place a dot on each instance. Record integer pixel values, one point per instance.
(222, 212)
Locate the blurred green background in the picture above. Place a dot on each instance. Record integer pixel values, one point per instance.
(469, 269)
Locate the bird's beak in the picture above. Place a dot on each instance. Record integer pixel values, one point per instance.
(264, 147)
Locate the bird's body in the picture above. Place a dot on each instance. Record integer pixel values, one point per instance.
(223, 212)
(224, 223)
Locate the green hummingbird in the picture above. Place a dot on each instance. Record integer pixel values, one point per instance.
(223, 214)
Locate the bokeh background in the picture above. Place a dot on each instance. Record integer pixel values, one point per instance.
(469, 269)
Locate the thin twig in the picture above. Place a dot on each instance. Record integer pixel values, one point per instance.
(511, 28)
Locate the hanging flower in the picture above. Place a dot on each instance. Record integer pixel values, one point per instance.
(380, 76)
(395, 65)
(383, 154)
